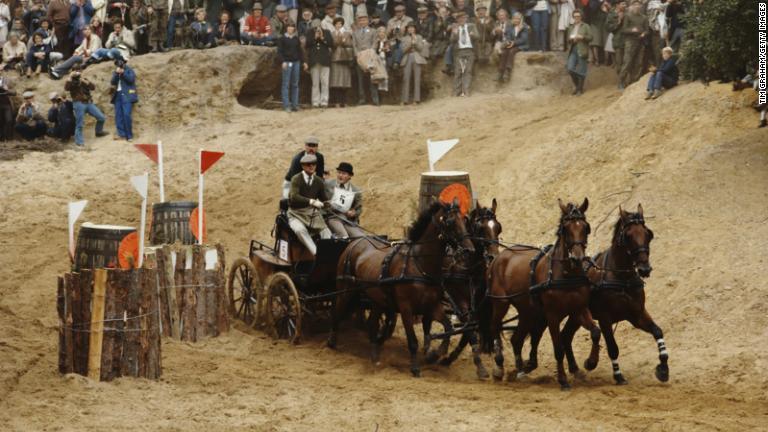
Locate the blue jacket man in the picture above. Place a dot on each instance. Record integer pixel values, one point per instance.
(124, 96)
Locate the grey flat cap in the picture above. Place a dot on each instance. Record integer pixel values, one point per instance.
(308, 159)
(312, 140)
(281, 8)
(27, 94)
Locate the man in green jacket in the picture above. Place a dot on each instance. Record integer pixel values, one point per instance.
(634, 29)
(306, 199)
(613, 24)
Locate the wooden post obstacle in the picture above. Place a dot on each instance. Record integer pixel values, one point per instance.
(192, 290)
(109, 324)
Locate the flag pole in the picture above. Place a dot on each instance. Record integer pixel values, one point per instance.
(160, 169)
(141, 230)
(200, 198)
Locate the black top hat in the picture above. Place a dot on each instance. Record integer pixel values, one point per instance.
(346, 167)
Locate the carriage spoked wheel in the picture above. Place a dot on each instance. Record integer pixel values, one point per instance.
(283, 308)
(244, 289)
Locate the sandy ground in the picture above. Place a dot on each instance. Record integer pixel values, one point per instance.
(693, 158)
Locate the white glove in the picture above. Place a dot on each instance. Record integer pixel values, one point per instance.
(316, 203)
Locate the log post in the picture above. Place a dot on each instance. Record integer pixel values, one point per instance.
(222, 317)
(96, 336)
(201, 290)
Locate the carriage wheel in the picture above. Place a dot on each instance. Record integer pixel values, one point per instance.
(283, 308)
(244, 289)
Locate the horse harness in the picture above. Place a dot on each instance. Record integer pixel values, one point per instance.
(631, 284)
(564, 283)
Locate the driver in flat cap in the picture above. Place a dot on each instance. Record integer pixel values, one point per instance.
(310, 147)
(306, 200)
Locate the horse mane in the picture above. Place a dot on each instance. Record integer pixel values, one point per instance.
(617, 231)
(422, 222)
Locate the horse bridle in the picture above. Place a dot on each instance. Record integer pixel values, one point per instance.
(475, 229)
(634, 219)
(453, 242)
(573, 215)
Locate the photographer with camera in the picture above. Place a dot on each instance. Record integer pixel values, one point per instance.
(61, 115)
(30, 124)
(396, 32)
(124, 96)
(319, 47)
(80, 90)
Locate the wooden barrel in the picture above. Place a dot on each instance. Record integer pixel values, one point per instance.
(97, 245)
(170, 223)
(448, 184)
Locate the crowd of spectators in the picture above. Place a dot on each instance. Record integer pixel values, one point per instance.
(347, 48)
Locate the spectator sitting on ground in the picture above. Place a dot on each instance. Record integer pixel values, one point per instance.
(49, 38)
(226, 32)
(14, 53)
(37, 56)
(202, 32)
(664, 76)
(62, 117)
(257, 29)
(30, 124)
(120, 45)
(91, 43)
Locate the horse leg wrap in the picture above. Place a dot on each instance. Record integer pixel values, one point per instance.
(663, 353)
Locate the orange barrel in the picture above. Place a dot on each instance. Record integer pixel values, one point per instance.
(445, 186)
(170, 223)
(98, 245)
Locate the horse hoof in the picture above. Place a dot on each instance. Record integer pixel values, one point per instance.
(446, 361)
(662, 373)
(589, 364)
(416, 373)
(432, 357)
(620, 379)
(530, 366)
(521, 376)
(564, 386)
(498, 374)
(482, 374)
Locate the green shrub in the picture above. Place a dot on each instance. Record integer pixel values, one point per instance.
(720, 39)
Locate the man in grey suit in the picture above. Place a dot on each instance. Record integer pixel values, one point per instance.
(364, 38)
(464, 40)
(346, 203)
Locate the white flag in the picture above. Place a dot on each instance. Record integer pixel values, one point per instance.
(75, 209)
(140, 184)
(438, 149)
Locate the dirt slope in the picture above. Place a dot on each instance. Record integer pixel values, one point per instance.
(692, 158)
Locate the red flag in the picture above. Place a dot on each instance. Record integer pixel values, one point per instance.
(148, 149)
(207, 159)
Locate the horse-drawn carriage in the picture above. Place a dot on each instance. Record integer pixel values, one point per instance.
(278, 287)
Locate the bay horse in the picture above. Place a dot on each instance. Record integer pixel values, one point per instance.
(404, 277)
(545, 286)
(465, 282)
(619, 293)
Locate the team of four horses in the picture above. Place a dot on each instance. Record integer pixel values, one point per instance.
(452, 265)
